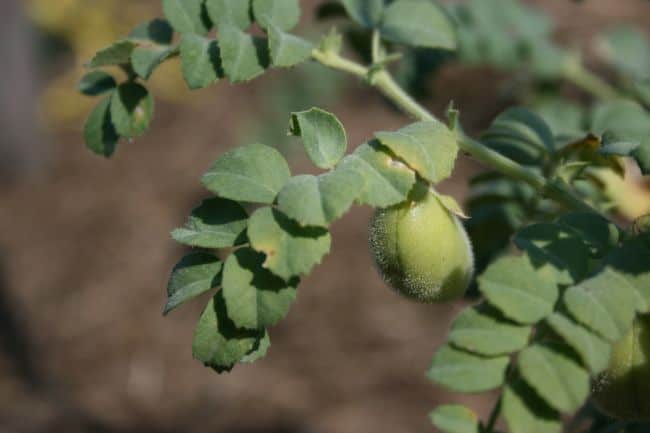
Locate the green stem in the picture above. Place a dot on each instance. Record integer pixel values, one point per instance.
(385, 83)
(581, 77)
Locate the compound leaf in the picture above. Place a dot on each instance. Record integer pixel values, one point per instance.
(464, 372)
(229, 12)
(605, 303)
(99, 132)
(131, 109)
(283, 14)
(555, 376)
(243, 56)
(200, 61)
(186, 16)
(429, 148)
(253, 173)
(525, 412)
(290, 250)
(482, 329)
(96, 83)
(365, 12)
(386, 180)
(194, 275)
(514, 286)
(593, 350)
(216, 223)
(322, 135)
(219, 344)
(287, 50)
(418, 23)
(454, 419)
(255, 298)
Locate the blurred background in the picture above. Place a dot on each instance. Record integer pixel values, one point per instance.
(85, 250)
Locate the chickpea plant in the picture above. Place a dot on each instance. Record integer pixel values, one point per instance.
(563, 290)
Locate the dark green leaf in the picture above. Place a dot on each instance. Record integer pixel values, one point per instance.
(118, 53)
(454, 419)
(96, 82)
(243, 56)
(463, 372)
(290, 250)
(255, 298)
(253, 173)
(195, 274)
(99, 132)
(200, 61)
(218, 343)
(131, 109)
(632, 262)
(283, 14)
(216, 223)
(596, 231)
(430, 148)
(322, 134)
(516, 288)
(418, 23)
(157, 30)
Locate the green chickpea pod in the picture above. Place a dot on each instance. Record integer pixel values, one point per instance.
(421, 248)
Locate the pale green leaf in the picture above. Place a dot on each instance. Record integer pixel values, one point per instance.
(255, 298)
(365, 12)
(96, 83)
(555, 376)
(132, 108)
(99, 132)
(200, 61)
(290, 250)
(628, 49)
(195, 274)
(259, 351)
(146, 58)
(513, 286)
(322, 135)
(454, 419)
(216, 223)
(418, 23)
(118, 53)
(632, 262)
(430, 148)
(283, 14)
(593, 350)
(320, 200)
(218, 343)
(386, 180)
(229, 12)
(483, 330)
(186, 16)
(253, 173)
(287, 50)
(464, 372)
(605, 303)
(243, 56)
(525, 412)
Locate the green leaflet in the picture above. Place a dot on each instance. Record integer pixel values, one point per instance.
(555, 376)
(525, 412)
(253, 173)
(464, 372)
(195, 274)
(99, 132)
(229, 12)
(322, 135)
(96, 83)
(430, 148)
(219, 344)
(145, 59)
(516, 288)
(255, 298)
(631, 262)
(365, 12)
(186, 16)
(158, 31)
(290, 250)
(418, 23)
(243, 56)
(287, 50)
(600, 235)
(216, 223)
(482, 329)
(454, 419)
(283, 14)
(131, 109)
(200, 61)
(386, 180)
(118, 53)
(319, 200)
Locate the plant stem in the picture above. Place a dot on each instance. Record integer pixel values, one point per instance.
(581, 77)
(385, 83)
(494, 416)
